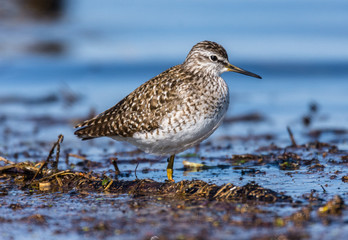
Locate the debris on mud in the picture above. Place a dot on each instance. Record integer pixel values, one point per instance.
(261, 195)
(332, 207)
(345, 179)
(65, 181)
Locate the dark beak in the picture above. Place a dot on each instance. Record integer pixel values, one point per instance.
(232, 68)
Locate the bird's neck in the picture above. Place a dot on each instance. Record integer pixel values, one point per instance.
(202, 71)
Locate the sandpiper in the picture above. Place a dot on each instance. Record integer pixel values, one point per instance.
(173, 111)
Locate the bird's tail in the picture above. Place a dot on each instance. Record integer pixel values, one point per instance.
(85, 133)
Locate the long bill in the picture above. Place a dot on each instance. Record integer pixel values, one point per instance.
(232, 68)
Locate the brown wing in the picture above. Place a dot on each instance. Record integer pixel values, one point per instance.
(141, 111)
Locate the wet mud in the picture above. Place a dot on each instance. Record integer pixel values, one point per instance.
(59, 188)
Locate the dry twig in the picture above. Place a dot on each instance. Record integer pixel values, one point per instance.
(293, 142)
(56, 144)
(6, 161)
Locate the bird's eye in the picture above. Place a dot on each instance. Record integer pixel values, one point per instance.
(213, 58)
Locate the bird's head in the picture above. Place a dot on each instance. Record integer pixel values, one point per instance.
(211, 58)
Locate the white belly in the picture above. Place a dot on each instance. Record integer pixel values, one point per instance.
(171, 139)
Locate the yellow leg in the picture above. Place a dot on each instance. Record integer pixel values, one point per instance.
(170, 168)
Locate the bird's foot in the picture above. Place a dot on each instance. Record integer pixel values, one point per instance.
(170, 175)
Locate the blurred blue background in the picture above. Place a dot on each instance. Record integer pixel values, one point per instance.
(102, 50)
(61, 61)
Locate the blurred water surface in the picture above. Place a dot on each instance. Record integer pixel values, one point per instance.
(105, 50)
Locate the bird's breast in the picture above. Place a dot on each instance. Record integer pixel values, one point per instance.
(213, 98)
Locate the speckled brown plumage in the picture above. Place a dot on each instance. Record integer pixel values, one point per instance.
(142, 110)
(174, 110)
